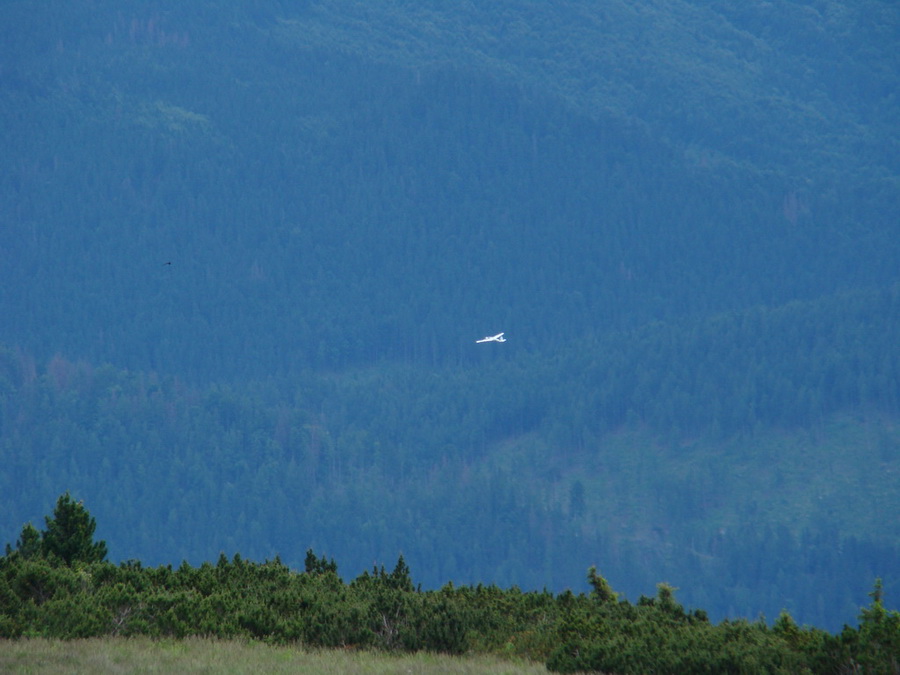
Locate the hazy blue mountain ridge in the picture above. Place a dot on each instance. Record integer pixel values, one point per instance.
(282, 169)
(705, 73)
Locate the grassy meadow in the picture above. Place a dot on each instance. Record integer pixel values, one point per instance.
(141, 655)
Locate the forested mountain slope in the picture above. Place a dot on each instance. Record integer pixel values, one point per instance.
(757, 479)
(247, 251)
(345, 183)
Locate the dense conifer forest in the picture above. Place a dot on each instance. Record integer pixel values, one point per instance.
(246, 252)
(55, 583)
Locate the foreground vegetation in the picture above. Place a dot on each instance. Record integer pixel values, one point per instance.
(55, 583)
(193, 655)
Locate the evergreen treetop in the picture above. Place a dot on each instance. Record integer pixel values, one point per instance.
(69, 536)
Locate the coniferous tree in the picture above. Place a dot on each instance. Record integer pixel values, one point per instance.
(70, 534)
(602, 590)
(317, 566)
(29, 543)
(879, 635)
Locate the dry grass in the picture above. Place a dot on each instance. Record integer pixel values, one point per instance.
(140, 655)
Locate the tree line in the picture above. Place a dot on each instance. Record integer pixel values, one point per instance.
(57, 583)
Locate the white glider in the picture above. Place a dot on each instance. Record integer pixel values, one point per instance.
(492, 338)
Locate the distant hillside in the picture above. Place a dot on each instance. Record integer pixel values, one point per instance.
(790, 90)
(246, 252)
(337, 185)
(760, 449)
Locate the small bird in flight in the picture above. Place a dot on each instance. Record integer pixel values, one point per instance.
(492, 338)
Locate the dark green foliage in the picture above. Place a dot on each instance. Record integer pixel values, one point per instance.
(29, 543)
(602, 590)
(68, 539)
(384, 610)
(877, 642)
(316, 565)
(69, 536)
